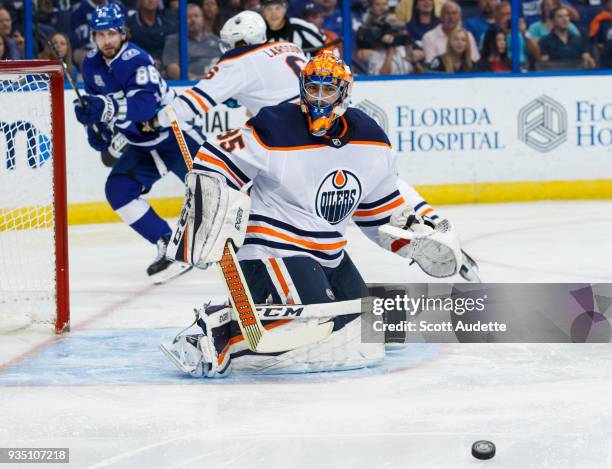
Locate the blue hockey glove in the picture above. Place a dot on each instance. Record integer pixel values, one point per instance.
(99, 141)
(96, 108)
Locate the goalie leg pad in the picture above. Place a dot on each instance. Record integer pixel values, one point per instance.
(212, 214)
(342, 350)
(207, 351)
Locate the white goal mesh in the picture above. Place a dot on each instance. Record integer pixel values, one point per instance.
(28, 202)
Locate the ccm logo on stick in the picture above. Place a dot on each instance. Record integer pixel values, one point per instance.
(280, 311)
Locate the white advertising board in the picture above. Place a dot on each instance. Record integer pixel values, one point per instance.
(470, 131)
(477, 130)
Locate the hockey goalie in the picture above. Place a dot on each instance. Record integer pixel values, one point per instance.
(282, 191)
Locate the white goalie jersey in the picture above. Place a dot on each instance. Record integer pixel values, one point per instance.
(306, 189)
(255, 76)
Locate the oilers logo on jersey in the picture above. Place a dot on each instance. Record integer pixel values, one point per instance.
(338, 196)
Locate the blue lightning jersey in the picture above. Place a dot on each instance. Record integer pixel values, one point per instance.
(133, 81)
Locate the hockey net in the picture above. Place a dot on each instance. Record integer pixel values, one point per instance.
(33, 222)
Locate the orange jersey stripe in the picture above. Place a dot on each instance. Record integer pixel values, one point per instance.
(343, 133)
(344, 130)
(301, 242)
(366, 142)
(198, 99)
(376, 211)
(212, 160)
(279, 276)
(223, 353)
(425, 212)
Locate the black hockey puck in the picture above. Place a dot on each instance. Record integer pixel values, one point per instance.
(483, 449)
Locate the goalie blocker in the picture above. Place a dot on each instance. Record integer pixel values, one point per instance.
(212, 214)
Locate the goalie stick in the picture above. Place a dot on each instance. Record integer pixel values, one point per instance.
(315, 310)
(108, 159)
(258, 339)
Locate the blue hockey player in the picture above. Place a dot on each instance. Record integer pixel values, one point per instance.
(124, 91)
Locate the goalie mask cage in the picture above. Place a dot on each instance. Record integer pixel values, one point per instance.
(33, 220)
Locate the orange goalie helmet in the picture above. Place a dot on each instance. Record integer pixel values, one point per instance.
(325, 87)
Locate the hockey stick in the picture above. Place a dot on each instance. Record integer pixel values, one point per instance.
(108, 159)
(258, 339)
(315, 310)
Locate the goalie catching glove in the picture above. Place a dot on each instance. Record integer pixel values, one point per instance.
(213, 213)
(433, 246)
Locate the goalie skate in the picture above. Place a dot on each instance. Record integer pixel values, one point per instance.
(163, 270)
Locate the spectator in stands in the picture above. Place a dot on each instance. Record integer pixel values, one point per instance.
(478, 25)
(377, 9)
(332, 16)
(6, 26)
(15, 9)
(19, 41)
(405, 9)
(60, 14)
(5, 49)
(253, 5)
(494, 57)
(149, 28)
(423, 19)
(394, 53)
(600, 29)
(528, 47)
(385, 46)
(541, 28)
(435, 41)
(563, 47)
(229, 8)
(282, 28)
(171, 11)
(314, 14)
(203, 47)
(45, 13)
(458, 57)
(531, 11)
(61, 42)
(212, 20)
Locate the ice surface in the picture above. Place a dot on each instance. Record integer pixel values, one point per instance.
(108, 394)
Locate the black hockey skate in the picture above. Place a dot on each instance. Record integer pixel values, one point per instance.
(162, 269)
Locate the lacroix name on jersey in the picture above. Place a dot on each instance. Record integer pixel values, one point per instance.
(279, 49)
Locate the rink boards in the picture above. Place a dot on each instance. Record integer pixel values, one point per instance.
(460, 140)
